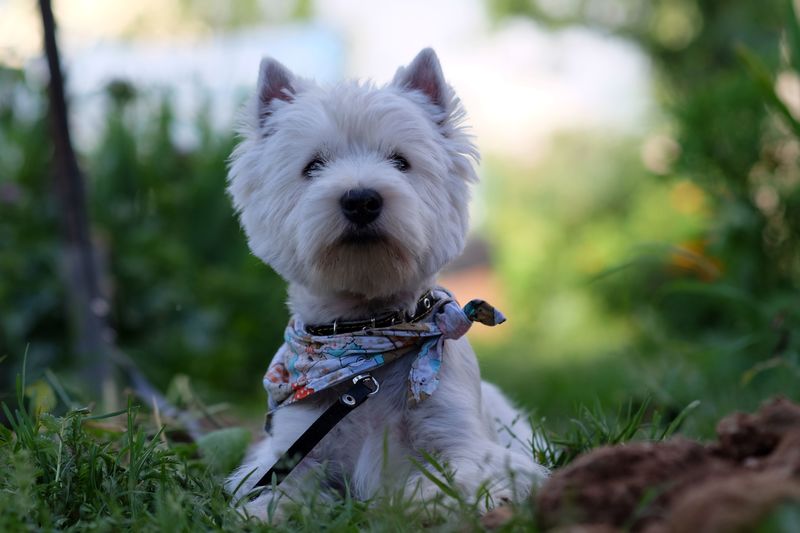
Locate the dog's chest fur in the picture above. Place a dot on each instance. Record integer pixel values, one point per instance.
(373, 444)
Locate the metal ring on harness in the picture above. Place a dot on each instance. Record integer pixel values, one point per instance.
(368, 378)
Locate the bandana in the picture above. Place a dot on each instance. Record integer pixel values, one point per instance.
(306, 364)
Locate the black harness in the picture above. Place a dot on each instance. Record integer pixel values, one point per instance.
(363, 387)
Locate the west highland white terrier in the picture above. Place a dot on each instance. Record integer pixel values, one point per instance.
(357, 195)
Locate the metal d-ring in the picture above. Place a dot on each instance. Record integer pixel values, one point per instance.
(334, 327)
(368, 377)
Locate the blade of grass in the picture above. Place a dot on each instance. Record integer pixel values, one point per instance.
(678, 421)
(444, 487)
(110, 415)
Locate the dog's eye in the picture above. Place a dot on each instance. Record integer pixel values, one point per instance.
(314, 166)
(399, 162)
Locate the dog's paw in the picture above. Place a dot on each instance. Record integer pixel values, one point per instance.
(504, 476)
(515, 477)
(522, 466)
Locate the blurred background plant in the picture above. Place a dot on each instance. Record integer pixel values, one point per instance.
(188, 298)
(689, 255)
(658, 260)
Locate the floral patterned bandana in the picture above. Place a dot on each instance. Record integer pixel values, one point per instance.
(306, 363)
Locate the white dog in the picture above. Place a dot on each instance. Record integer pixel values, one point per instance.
(357, 195)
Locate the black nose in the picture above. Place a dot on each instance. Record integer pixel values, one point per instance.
(361, 206)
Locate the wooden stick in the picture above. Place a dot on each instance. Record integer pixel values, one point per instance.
(89, 308)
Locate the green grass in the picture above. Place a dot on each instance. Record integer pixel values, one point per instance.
(64, 467)
(122, 471)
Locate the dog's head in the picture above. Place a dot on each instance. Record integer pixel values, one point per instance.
(354, 187)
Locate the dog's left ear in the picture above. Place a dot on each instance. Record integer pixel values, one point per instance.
(424, 74)
(275, 82)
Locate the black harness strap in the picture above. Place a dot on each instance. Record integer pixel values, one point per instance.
(363, 387)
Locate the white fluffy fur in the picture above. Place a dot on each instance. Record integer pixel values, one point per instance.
(295, 224)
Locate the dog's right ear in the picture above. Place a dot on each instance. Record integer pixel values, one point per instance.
(275, 82)
(424, 74)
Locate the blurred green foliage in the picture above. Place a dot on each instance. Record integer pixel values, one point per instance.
(188, 297)
(710, 312)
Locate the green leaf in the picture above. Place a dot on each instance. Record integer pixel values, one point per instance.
(223, 450)
(765, 82)
(41, 395)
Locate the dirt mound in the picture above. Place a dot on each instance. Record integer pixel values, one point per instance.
(680, 485)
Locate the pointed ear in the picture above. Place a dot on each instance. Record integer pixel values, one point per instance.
(275, 82)
(424, 74)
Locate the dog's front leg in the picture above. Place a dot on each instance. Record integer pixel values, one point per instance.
(450, 425)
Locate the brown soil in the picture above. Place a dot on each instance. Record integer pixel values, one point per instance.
(680, 485)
